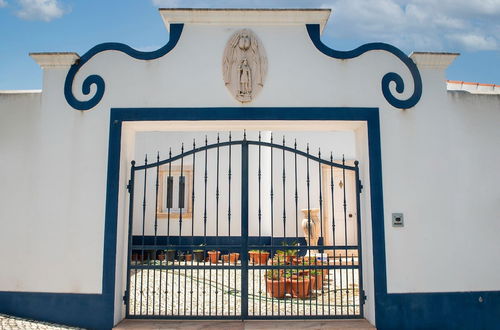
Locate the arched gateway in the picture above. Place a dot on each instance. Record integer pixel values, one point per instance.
(244, 265)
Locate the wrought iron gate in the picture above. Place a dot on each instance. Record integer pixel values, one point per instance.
(215, 232)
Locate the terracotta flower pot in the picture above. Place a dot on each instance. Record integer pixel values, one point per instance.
(189, 257)
(225, 258)
(277, 288)
(170, 255)
(161, 257)
(233, 257)
(258, 258)
(301, 287)
(213, 256)
(199, 256)
(317, 281)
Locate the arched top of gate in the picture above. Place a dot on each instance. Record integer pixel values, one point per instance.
(246, 142)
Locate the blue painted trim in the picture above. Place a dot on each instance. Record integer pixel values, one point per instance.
(175, 34)
(314, 33)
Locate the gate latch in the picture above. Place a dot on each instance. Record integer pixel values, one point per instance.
(129, 185)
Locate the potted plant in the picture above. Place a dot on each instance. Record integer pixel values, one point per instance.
(300, 286)
(316, 277)
(225, 258)
(181, 256)
(199, 255)
(161, 256)
(188, 257)
(213, 256)
(277, 283)
(170, 254)
(258, 257)
(233, 257)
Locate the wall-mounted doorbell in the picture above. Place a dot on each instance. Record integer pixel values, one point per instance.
(397, 220)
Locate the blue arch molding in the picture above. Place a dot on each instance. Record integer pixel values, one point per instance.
(175, 34)
(441, 310)
(314, 33)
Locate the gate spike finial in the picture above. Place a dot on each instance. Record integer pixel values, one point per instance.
(218, 137)
(158, 156)
(259, 137)
(182, 148)
(271, 137)
(229, 136)
(307, 148)
(319, 153)
(331, 156)
(244, 135)
(170, 152)
(146, 159)
(283, 140)
(295, 144)
(194, 143)
(206, 139)
(133, 163)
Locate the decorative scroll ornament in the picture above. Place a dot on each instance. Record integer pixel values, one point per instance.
(244, 65)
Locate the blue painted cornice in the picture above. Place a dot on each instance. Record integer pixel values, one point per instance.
(314, 33)
(175, 34)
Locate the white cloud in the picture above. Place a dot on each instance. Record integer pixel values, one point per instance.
(3, 3)
(419, 24)
(475, 42)
(43, 10)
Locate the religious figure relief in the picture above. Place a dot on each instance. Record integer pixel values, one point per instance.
(244, 65)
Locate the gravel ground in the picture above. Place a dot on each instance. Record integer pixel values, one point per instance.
(217, 292)
(14, 323)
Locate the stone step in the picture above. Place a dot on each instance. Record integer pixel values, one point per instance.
(246, 325)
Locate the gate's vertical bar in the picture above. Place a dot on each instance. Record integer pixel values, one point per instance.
(259, 176)
(130, 231)
(358, 224)
(143, 224)
(333, 241)
(296, 206)
(308, 183)
(192, 231)
(217, 235)
(169, 207)
(284, 210)
(244, 229)
(272, 221)
(205, 180)
(322, 239)
(157, 185)
(229, 228)
(345, 235)
(182, 190)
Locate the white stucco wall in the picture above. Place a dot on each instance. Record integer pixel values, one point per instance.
(439, 160)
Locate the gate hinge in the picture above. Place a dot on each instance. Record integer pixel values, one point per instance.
(363, 297)
(360, 186)
(125, 298)
(129, 185)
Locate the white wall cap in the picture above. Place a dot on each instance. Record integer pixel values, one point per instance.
(55, 59)
(472, 87)
(245, 16)
(20, 91)
(433, 60)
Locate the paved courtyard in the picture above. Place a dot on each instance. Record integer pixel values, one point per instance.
(15, 323)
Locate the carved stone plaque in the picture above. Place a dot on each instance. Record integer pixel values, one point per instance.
(244, 65)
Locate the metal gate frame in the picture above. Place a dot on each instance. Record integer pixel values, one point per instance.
(244, 267)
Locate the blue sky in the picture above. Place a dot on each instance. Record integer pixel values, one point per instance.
(470, 27)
